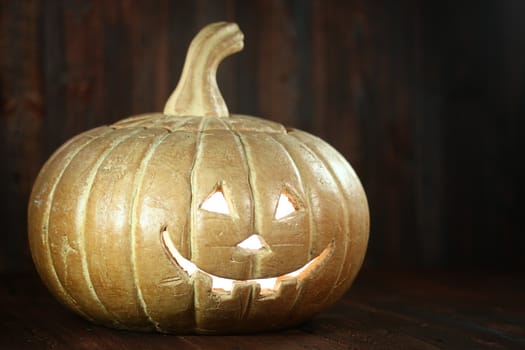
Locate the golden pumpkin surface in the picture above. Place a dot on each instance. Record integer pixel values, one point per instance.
(197, 224)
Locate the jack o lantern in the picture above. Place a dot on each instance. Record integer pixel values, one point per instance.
(195, 220)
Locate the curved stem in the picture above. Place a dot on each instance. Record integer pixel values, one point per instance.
(197, 93)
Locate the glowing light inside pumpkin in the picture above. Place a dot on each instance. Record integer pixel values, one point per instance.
(268, 285)
(254, 242)
(284, 207)
(216, 203)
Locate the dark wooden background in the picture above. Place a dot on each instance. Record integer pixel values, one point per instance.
(425, 98)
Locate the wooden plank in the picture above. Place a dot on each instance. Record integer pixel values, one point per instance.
(147, 53)
(363, 106)
(476, 80)
(21, 123)
(54, 76)
(86, 85)
(277, 63)
(301, 20)
(246, 70)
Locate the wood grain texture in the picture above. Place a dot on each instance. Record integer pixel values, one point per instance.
(383, 311)
(424, 99)
(22, 126)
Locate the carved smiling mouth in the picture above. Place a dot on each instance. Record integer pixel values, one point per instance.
(219, 284)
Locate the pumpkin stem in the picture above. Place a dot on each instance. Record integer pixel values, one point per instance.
(197, 93)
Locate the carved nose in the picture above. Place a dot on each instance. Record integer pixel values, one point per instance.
(254, 242)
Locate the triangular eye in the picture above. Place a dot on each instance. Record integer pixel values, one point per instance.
(216, 203)
(285, 206)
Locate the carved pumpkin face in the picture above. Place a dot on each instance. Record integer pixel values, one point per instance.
(181, 223)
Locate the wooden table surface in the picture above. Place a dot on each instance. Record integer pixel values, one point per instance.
(381, 311)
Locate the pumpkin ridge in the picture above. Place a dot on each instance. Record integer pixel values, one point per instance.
(198, 151)
(256, 216)
(82, 202)
(90, 134)
(356, 182)
(341, 200)
(249, 168)
(137, 185)
(245, 156)
(306, 192)
(46, 216)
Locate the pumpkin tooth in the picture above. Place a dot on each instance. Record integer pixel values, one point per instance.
(219, 283)
(267, 283)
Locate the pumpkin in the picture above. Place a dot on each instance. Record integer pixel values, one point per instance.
(197, 221)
